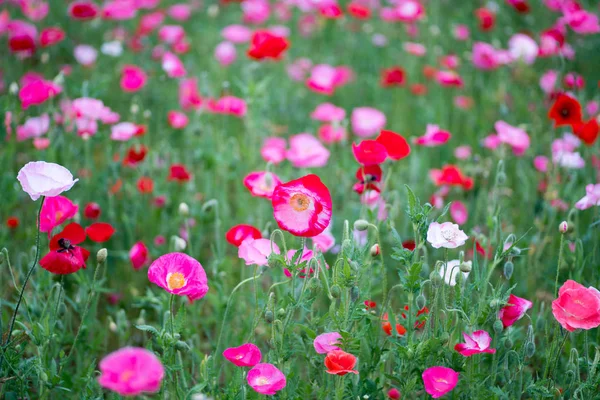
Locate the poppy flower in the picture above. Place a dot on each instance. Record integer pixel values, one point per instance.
(39, 178)
(266, 379)
(439, 380)
(369, 304)
(367, 121)
(387, 327)
(587, 131)
(265, 44)
(228, 105)
(64, 256)
(135, 155)
(359, 11)
(591, 198)
(326, 342)
(179, 173)
(369, 173)
(256, 251)
(394, 76)
(92, 210)
(306, 151)
(12, 222)
(369, 152)
(139, 255)
(261, 183)
(131, 371)
(514, 310)
(520, 5)
(486, 19)
(302, 206)
(37, 92)
(327, 112)
(83, 10)
(51, 36)
(189, 96)
(577, 307)
(100, 232)
(447, 235)
(395, 144)
(476, 343)
(434, 136)
(246, 355)
(133, 78)
(238, 233)
(565, 111)
(179, 274)
(338, 362)
(55, 211)
(273, 150)
(451, 175)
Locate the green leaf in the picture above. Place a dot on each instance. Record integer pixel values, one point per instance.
(148, 328)
(413, 202)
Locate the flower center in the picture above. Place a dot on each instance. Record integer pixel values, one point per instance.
(300, 202)
(440, 380)
(564, 112)
(175, 280)
(448, 234)
(262, 381)
(126, 375)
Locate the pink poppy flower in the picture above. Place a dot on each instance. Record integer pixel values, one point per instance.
(230, 105)
(302, 206)
(331, 133)
(238, 233)
(459, 212)
(485, 56)
(476, 343)
(139, 255)
(33, 127)
(323, 79)
(462, 152)
(37, 91)
(119, 10)
(416, 49)
(548, 81)
(409, 11)
(582, 22)
(39, 178)
(461, 32)
(171, 34)
(180, 12)
(447, 235)
(306, 151)
(256, 11)
(448, 79)
(246, 355)
(55, 211)
(514, 310)
(326, 342)
(298, 69)
(256, 251)
(179, 274)
(439, 380)
(22, 37)
(51, 36)
(541, 163)
(225, 53)
(123, 131)
(273, 150)
(41, 143)
(327, 112)
(367, 121)
(189, 96)
(177, 119)
(591, 198)
(434, 136)
(524, 48)
(369, 152)
(577, 307)
(324, 241)
(261, 183)
(173, 66)
(131, 371)
(515, 137)
(266, 379)
(85, 55)
(133, 78)
(236, 34)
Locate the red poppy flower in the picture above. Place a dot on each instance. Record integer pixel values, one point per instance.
(64, 256)
(359, 11)
(238, 233)
(587, 131)
(394, 76)
(565, 111)
(387, 327)
(135, 155)
(92, 210)
(369, 173)
(330, 11)
(267, 45)
(409, 245)
(12, 222)
(418, 89)
(145, 185)
(395, 144)
(179, 173)
(369, 152)
(83, 10)
(486, 19)
(520, 5)
(369, 304)
(338, 362)
(99, 232)
(451, 175)
(429, 72)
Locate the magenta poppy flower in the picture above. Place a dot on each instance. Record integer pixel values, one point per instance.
(246, 355)
(514, 310)
(326, 342)
(237, 33)
(55, 211)
(439, 380)
(273, 150)
(577, 307)
(139, 255)
(302, 206)
(189, 96)
(261, 183)
(39, 178)
(434, 136)
(256, 251)
(266, 379)
(83, 10)
(179, 274)
(459, 212)
(173, 66)
(476, 343)
(228, 105)
(306, 151)
(238, 233)
(133, 78)
(37, 92)
(367, 121)
(131, 371)
(51, 36)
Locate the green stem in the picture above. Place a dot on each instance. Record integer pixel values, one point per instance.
(171, 316)
(560, 258)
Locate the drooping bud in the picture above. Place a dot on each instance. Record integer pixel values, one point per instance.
(529, 349)
(269, 316)
(361, 225)
(184, 209)
(336, 291)
(563, 227)
(508, 344)
(509, 267)
(466, 267)
(101, 256)
(498, 327)
(375, 250)
(274, 261)
(421, 301)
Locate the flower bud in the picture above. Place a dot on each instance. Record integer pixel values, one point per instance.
(281, 313)
(361, 225)
(529, 349)
(112, 326)
(501, 178)
(509, 267)
(184, 209)
(375, 250)
(336, 291)
(508, 344)
(436, 279)
(466, 267)
(179, 244)
(563, 227)
(101, 256)
(421, 301)
(515, 251)
(498, 326)
(444, 338)
(354, 293)
(269, 316)
(314, 285)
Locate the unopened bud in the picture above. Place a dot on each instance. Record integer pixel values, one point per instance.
(184, 210)
(269, 316)
(179, 244)
(101, 256)
(421, 301)
(134, 108)
(509, 267)
(361, 225)
(281, 313)
(466, 267)
(501, 178)
(436, 279)
(508, 344)
(563, 227)
(336, 291)
(515, 251)
(498, 326)
(314, 285)
(112, 326)
(346, 246)
(375, 250)
(529, 349)
(13, 88)
(444, 338)
(354, 293)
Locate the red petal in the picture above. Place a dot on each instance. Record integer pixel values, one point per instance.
(100, 231)
(73, 232)
(396, 145)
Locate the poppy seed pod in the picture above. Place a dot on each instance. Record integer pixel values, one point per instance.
(184, 210)
(361, 225)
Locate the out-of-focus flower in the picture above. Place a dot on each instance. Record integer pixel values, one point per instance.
(131, 371)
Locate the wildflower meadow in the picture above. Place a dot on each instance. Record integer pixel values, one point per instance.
(299, 199)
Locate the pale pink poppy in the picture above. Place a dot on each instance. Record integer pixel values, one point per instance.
(33, 127)
(416, 49)
(326, 342)
(577, 307)
(491, 142)
(323, 79)
(39, 178)
(257, 251)
(236, 33)
(35, 10)
(461, 32)
(87, 107)
(273, 150)
(327, 112)
(123, 131)
(55, 211)
(332, 133)
(298, 69)
(439, 380)
(570, 160)
(139, 256)
(409, 11)
(514, 310)
(476, 343)
(255, 11)
(179, 274)
(449, 272)
(41, 143)
(246, 355)
(171, 34)
(85, 55)
(150, 22)
(448, 79)
(225, 53)
(541, 163)
(229, 105)
(262, 183)
(180, 12)
(462, 152)
(591, 198)
(485, 56)
(447, 235)
(515, 137)
(119, 10)
(306, 151)
(592, 108)
(367, 121)
(459, 212)
(177, 119)
(131, 371)
(582, 22)
(173, 66)
(434, 136)
(266, 379)
(522, 47)
(133, 78)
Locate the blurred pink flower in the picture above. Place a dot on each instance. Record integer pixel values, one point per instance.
(180, 11)
(409, 11)
(133, 78)
(548, 81)
(229, 105)
(515, 137)
(541, 163)
(367, 121)
(591, 198)
(332, 133)
(225, 53)
(577, 307)
(255, 11)
(179, 274)
(582, 22)
(325, 79)
(514, 310)
(177, 119)
(261, 183)
(476, 343)
(327, 112)
(522, 47)
(447, 235)
(298, 69)
(462, 152)
(273, 150)
(246, 355)
(33, 127)
(461, 32)
(326, 342)
(236, 33)
(123, 131)
(592, 108)
(416, 49)
(139, 255)
(37, 91)
(485, 56)
(39, 178)
(119, 10)
(459, 212)
(131, 371)
(306, 151)
(324, 241)
(85, 55)
(266, 379)
(434, 136)
(55, 211)
(439, 380)
(173, 66)
(171, 34)
(256, 251)
(189, 97)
